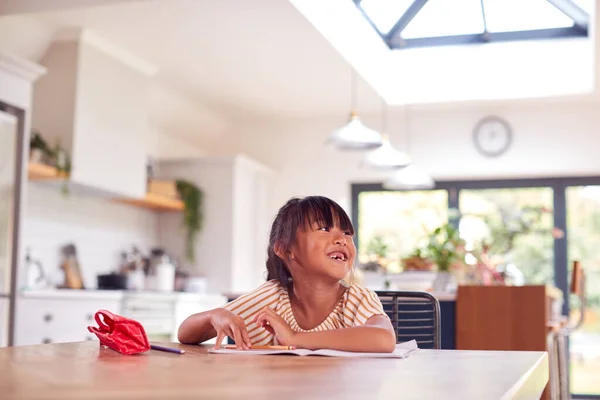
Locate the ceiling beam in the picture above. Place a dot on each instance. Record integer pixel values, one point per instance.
(573, 11)
(405, 19)
(478, 38)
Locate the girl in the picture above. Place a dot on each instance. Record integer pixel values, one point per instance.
(304, 302)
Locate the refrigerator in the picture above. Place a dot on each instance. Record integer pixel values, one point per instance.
(8, 210)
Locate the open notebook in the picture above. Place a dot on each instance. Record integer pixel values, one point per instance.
(403, 350)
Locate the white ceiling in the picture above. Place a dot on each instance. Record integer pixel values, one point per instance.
(243, 57)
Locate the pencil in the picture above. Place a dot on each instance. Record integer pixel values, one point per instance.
(234, 347)
(168, 349)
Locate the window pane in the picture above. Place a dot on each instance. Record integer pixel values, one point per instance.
(517, 225)
(585, 5)
(583, 227)
(446, 18)
(385, 13)
(402, 220)
(523, 15)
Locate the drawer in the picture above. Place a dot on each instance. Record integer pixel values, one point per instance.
(57, 321)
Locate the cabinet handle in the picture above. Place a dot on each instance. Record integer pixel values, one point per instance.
(89, 317)
(48, 317)
(88, 338)
(47, 340)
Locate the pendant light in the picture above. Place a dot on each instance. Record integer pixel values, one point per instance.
(354, 135)
(411, 177)
(386, 157)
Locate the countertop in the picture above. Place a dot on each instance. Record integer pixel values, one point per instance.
(95, 294)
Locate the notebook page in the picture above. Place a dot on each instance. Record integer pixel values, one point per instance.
(403, 350)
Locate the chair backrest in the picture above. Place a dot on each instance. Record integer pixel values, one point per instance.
(414, 315)
(578, 288)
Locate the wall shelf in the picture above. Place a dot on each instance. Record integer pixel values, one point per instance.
(43, 172)
(155, 202)
(152, 201)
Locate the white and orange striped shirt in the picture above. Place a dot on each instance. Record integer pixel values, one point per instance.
(355, 307)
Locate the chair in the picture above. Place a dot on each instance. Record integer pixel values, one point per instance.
(562, 336)
(414, 315)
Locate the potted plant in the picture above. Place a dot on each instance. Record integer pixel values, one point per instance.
(418, 261)
(445, 248)
(193, 217)
(39, 151)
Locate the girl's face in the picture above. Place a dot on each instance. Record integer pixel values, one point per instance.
(324, 251)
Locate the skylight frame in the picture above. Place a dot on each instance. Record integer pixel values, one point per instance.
(395, 41)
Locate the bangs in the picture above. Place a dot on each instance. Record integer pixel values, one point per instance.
(323, 212)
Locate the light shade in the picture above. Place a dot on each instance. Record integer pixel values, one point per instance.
(355, 136)
(386, 157)
(409, 178)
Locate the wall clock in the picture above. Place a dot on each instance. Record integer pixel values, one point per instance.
(492, 136)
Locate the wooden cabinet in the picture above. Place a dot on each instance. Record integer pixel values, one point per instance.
(231, 249)
(93, 101)
(505, 318)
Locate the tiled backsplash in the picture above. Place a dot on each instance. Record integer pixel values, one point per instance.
(99, 228)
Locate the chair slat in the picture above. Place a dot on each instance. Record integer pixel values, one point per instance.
(414, 315)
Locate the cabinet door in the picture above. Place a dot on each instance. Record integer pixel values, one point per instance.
(41, 321)
(8, 163)
(110, 143)
(3, 321)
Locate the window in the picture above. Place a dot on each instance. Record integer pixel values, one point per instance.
(399, 221)
(418, 23)
(583, 227)
(558, 221)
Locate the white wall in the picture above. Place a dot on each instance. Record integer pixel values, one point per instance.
(99, 229)
(558, 138)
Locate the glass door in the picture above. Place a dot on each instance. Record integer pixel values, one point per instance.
(394, 224)
(583, 241)
(517, 225)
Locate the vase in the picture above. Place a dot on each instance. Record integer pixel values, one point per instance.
(444, 282)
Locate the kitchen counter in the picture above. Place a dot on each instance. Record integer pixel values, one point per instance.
(94, 294)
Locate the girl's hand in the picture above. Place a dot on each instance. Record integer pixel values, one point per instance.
(227, 323)
(271, 321)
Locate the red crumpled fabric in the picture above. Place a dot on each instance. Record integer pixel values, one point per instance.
(121, 334)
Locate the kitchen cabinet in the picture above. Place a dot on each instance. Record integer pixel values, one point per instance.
(3, 321)
(16, 87)
(60, 316)
(93, 102)
(63, 315)
(231, 248)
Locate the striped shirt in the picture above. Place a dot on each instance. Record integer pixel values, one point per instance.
(354, 308)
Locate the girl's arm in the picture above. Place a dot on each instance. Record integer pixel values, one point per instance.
(219, 322)
(375, 336)
(196, 328)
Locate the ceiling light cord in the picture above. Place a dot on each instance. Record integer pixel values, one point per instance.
(384, 117)
(353, 91)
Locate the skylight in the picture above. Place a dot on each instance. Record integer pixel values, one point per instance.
(420, 23)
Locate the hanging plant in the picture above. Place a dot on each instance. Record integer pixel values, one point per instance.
(193, 217)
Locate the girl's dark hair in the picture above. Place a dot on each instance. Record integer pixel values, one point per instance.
(300, 213)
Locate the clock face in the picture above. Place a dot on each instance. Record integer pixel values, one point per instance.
(492, 136)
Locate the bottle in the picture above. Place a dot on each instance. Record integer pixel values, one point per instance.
(165, 275)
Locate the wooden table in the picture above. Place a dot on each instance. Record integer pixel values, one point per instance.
(89, 371)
